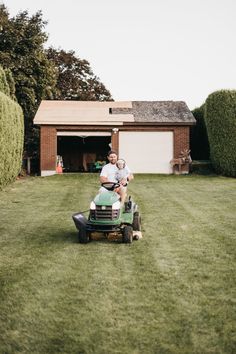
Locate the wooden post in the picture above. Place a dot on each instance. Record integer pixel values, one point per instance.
(115, 140)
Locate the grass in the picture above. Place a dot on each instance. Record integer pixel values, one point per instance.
(171, 292)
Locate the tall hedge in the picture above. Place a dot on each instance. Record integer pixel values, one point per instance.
(220, 119)
(11, 139)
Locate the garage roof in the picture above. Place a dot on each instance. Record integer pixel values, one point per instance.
(115, 113)
(159, 112)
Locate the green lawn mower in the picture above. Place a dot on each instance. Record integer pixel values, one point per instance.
(107, 217)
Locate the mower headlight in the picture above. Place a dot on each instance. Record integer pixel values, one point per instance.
(116, 205)
(92, 206)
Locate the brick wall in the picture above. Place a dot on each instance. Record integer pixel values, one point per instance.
(181, 142)
(48, 148)
(48, 144)
(181, 139)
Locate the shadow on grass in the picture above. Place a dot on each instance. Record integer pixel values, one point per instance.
(62, 236)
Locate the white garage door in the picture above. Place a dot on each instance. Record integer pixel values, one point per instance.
(147, 152)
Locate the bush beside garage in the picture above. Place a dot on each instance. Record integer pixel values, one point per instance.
(11, 134)
(220, 118)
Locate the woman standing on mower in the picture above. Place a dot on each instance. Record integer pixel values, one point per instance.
(108, 174)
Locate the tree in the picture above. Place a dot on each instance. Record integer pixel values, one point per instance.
(4, 86)
(11, 84)
(76, 80)
(39, 74)
(199, 140)
(21, 50)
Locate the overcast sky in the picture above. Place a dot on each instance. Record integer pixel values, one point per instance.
(147, 49)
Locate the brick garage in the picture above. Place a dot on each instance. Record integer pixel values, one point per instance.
(145, 133)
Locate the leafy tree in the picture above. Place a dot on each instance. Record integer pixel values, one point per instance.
(199, 139)
(39, 74)
(4, 86)
(21, 50)
(76, 80)
(11, 84)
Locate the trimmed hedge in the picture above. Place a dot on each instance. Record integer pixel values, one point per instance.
(11, 139)
(220, 119)
(199, 144)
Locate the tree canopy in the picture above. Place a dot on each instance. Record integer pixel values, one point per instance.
(39, 73)
(199, 139)
(21, 50)
(4, 87)
(76, 80)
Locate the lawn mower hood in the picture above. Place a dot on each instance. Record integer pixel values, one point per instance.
(106, 198)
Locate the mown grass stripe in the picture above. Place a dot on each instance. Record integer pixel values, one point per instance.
(172, 292)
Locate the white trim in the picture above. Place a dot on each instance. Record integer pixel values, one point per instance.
(75, 122)
(45, 173)
(83, 134)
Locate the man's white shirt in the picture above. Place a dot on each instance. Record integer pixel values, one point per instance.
(109, 171)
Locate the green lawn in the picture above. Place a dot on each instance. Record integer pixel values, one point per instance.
(171, 292)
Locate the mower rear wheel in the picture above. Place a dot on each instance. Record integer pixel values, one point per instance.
(83, 235)
(137, 221)
(128, 234)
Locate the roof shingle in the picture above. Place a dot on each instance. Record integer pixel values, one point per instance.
(158, 111)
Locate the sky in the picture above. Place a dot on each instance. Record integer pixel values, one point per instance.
(147, 50)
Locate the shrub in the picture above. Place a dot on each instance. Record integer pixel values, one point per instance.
(199, 144)
(11, 139)
(220, 118)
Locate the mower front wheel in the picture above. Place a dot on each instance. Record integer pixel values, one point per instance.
(128, 234)
(83, 236)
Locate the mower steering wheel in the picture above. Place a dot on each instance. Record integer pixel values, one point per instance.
(110, 186)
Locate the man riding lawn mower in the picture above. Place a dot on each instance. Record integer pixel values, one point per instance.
(109, 213)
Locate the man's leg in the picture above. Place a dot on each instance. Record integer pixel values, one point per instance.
(123, 193)
(102, 189)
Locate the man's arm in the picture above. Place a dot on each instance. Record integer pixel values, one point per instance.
(103, 179)
(103, 175)
(130, 177)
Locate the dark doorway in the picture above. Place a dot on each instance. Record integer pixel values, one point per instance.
(79, 154)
